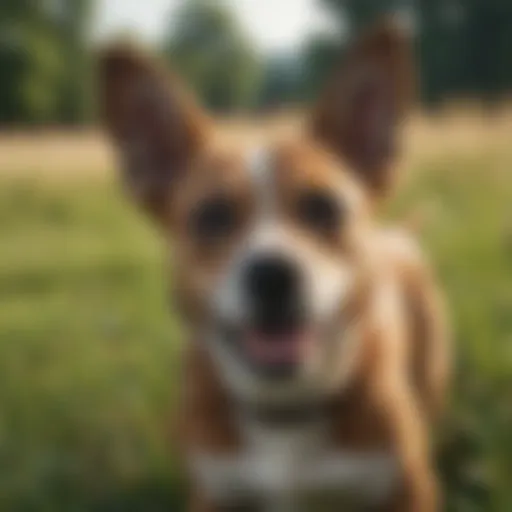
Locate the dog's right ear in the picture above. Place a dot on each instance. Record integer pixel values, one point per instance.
(156, 127)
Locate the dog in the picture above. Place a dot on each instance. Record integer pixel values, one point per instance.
(319, 354)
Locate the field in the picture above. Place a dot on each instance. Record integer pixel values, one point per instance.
(88, 347)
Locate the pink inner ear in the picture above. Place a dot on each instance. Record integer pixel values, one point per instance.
(152, 129)
(154, 142)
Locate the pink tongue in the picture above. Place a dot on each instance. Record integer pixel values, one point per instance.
(286, 348)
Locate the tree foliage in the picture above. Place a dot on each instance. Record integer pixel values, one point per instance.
(72, 25)
(44, 73)
(45, 70)
(466, 48)
(208, 48)
(464, 45)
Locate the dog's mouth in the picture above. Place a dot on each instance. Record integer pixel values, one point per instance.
(283, 348)
(275, 353)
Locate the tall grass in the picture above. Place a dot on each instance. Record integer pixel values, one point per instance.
(89, 343)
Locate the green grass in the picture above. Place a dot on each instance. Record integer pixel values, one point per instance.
(86, 353)
(88, 347)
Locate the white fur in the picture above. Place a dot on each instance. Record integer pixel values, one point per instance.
(283, 466)
(259, 166)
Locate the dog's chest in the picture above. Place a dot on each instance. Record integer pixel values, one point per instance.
(279, 454)
(297, 468)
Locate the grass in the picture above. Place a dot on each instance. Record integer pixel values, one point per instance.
(88, 347)
(87, 352)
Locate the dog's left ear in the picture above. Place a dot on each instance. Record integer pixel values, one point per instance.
(360, 115)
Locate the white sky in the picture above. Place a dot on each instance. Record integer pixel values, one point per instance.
(273, 24)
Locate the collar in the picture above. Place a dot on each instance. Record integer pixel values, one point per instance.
(289, 415)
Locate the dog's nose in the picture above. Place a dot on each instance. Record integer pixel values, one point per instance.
(271, 279)
(273, 288)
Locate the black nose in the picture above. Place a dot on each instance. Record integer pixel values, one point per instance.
(273, 289)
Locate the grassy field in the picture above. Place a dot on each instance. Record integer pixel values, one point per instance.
(88, 345)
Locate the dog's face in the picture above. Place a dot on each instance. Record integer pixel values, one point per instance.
(271, 242)
(270, 249)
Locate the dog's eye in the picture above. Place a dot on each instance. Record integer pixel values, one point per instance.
(214, 219)
(320, 211)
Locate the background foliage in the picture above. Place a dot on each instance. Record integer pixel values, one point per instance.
(44, 62)
(46, 45)
(207, 47)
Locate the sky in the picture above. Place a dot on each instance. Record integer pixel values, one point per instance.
(274, 25)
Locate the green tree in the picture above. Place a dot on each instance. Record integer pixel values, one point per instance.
(282, 81)
(464, 45)
(43, 66)
(72, 20)
(29, 63)
(359, 13)
(320, 57)
(208, 48)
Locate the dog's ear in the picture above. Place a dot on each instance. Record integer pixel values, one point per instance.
(156, 127)
(360, 114)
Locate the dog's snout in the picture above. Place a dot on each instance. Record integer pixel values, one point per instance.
(273, 288)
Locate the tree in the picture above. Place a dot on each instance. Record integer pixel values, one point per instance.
(282, 82)
(29, 63)
(43, 69)
(321, 55)
(208, 48)
(360, 13)
(464, 45)
(72, 20)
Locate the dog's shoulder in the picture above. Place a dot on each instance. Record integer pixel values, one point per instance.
(429, 337)
(401, 250)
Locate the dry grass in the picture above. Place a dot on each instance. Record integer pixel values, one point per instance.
(54, 154)
(67, 155)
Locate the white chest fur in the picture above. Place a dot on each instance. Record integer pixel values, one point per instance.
(287, 466)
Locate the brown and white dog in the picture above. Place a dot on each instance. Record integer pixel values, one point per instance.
(319, 355)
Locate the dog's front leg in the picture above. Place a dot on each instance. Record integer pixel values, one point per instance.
(369, 478)
(419, 489)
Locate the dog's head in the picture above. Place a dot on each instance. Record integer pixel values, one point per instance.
(270, 243)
